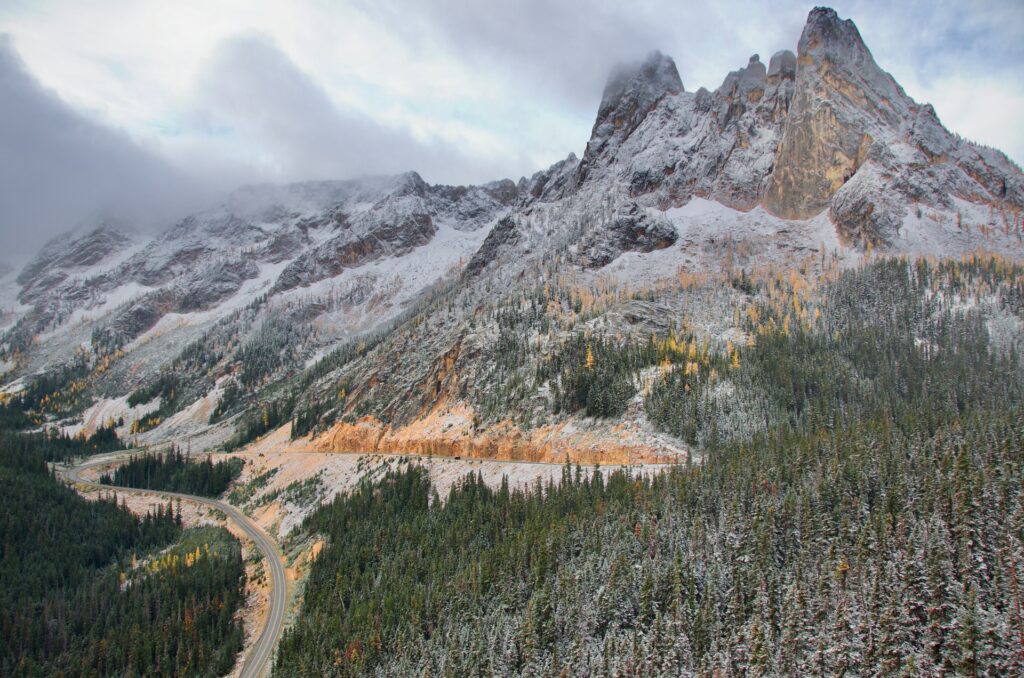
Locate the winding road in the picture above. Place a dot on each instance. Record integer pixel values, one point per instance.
(258, 659)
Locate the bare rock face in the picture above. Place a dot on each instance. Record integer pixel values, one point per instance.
(132, 319)
(842, 97)
(864, 210)
(781, 67)
(555, 182)
(351, 249)
(718, 145)
(632, 230)
(854, 143)
(65, 256)
(632, 92)
(502, 236)
(212, 283)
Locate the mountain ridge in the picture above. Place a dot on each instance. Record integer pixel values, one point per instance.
(808, 162)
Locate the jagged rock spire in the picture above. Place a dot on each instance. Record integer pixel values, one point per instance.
(843, 101)
(632, 91)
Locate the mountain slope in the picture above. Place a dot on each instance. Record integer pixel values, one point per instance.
(302, 264)
(685, 211)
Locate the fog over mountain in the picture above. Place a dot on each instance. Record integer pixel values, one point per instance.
(147, 116)
(59, 167)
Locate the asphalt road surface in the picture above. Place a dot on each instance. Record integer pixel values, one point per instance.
(257, 661)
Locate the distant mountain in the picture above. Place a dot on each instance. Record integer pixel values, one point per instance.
(822, 130)
(406, 288)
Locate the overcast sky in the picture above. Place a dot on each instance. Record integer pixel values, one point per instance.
(145, 109)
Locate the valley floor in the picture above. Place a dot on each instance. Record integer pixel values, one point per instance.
(283, 481)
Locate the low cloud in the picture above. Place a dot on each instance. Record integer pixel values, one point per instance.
(560, 51)
(251, 95)
(254, 116)
(58, 168)
(460, 91)
(564, 50)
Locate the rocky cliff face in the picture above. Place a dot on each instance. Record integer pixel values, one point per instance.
(631, 94)
(667, 145)
(825, 129)
(855, 143)
(842, 102)
(64, 257)
(630, 230)
(502, 236)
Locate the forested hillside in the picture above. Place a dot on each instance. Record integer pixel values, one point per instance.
(175, 471)
(860, 511)
(89, 589)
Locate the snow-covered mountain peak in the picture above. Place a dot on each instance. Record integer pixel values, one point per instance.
(639, 84)
(826, 35)
(632, 92)
(821, 129)
(257, 243)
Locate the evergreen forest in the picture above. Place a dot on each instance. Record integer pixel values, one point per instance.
(90, 589)
(858, 510)
(175, 471)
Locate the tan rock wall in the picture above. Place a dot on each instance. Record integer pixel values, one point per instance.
(430, 437)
